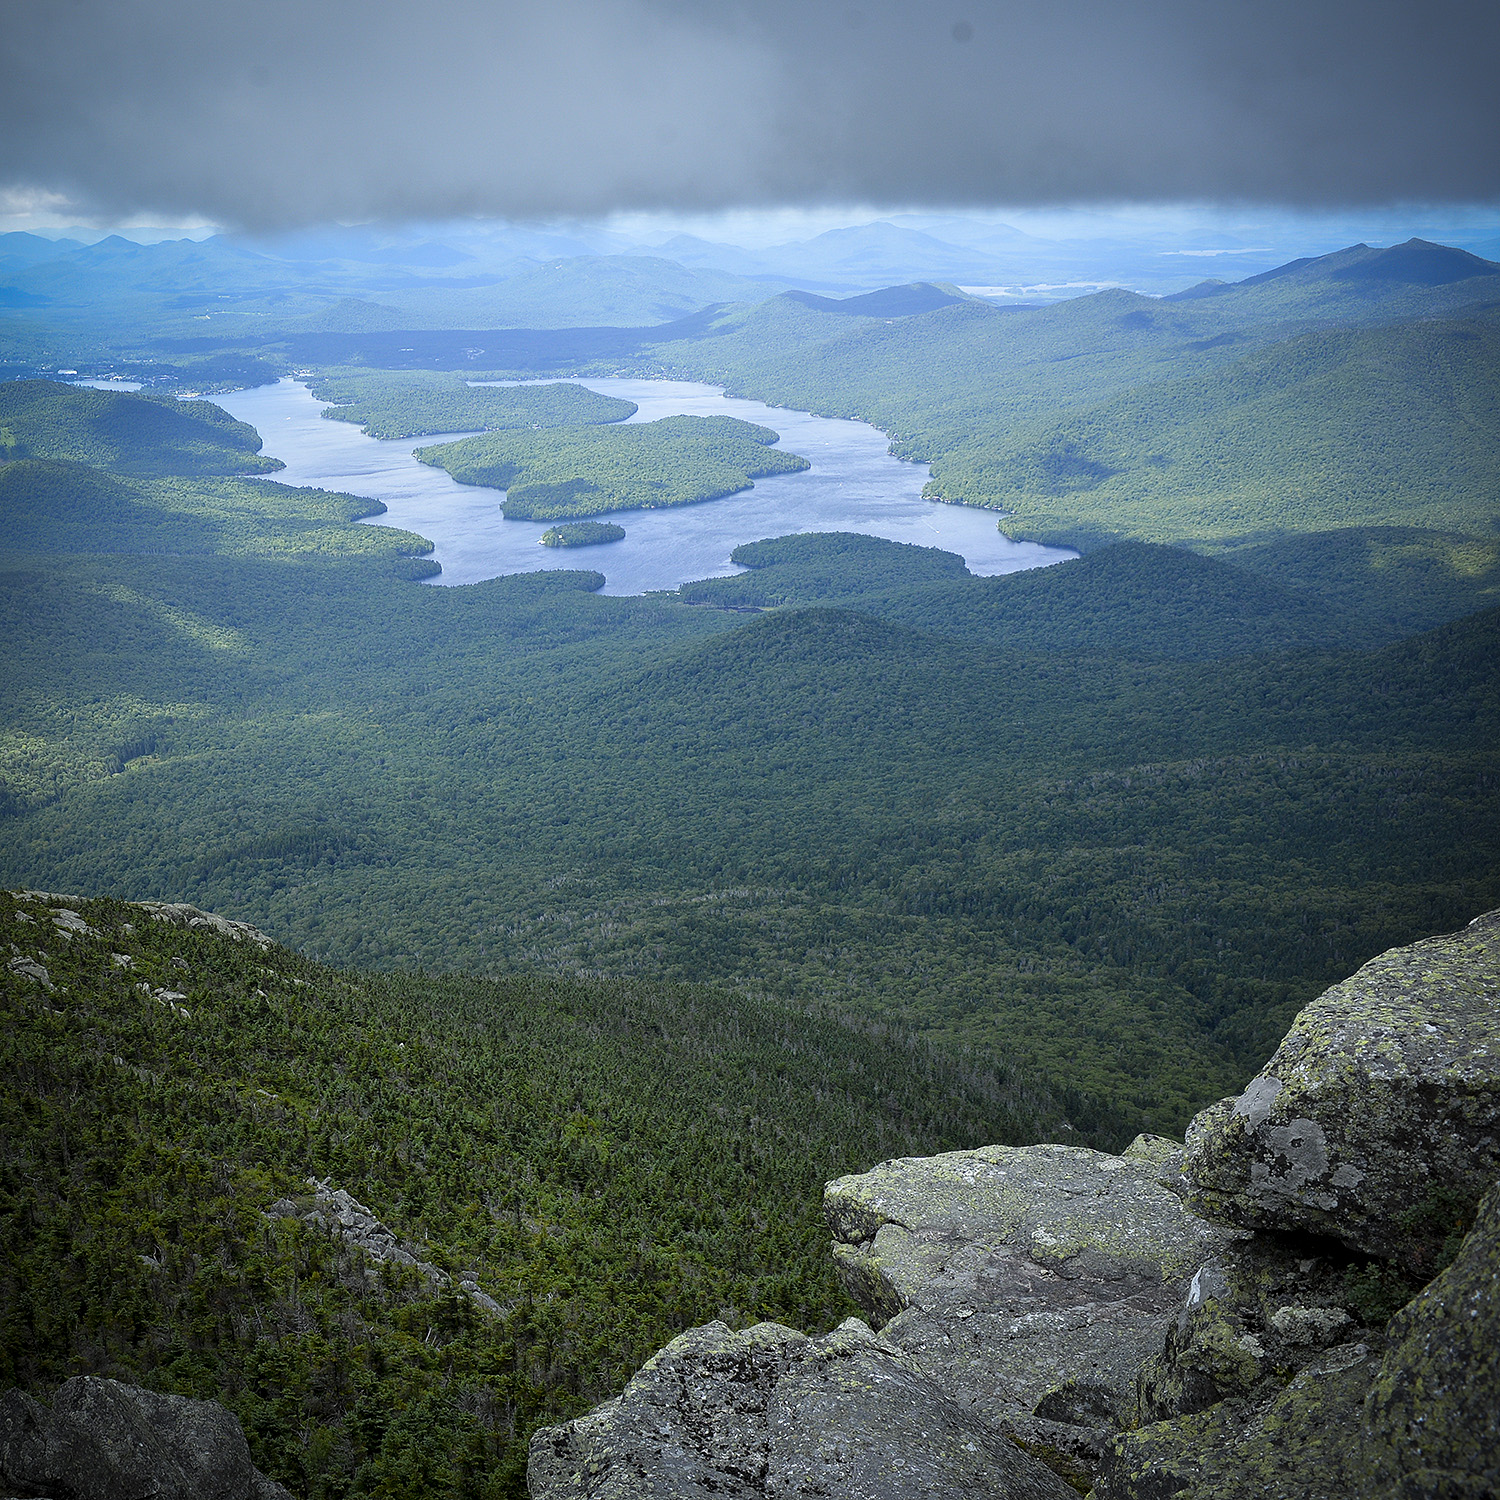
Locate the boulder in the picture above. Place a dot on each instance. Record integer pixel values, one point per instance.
(1295, 1445)
(1377, 1122)
(104, 1440)
(1432, 1418)
(1024, 1280)
(1254, 1316)
(768, 1412)
(1412, 1413)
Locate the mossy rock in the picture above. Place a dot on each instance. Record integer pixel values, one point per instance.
(768, 1411)
(1032, 1280)
(1377, 1122)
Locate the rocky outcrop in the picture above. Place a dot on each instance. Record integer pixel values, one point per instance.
(1023, 1280)
(180, 914)
(771, 1412)
(1410, 1412)
(1376, 1120)
(341, 1214)
(1210, 1323)
(103, 1440)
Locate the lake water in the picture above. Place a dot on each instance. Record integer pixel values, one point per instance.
(854, 485)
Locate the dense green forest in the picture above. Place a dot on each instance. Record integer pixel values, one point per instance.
(585, 471)
(421, 402)
(1355, 389)
(610, 1163)
(583, 534)
(1007, 809)
(125, 432)
(70, 507)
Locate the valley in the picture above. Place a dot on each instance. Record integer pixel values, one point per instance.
(623, 895)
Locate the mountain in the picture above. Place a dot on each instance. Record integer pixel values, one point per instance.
(19, 250)
(888, 302)
(1415, 263)
(1357, 389)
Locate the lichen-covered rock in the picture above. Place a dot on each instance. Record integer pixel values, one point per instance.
(1378, 1120)
(1254, 1316)
(1411, 1414)
(1432, 1419)
(1294, 1446)
(692, 1422)
(1023, 1280)
(104, 1440)
(772, 1413)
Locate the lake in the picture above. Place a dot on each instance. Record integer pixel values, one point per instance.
(854, 485)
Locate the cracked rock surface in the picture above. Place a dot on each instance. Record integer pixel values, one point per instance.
(769, 1412)
(1032, 1279)
(104, 1440)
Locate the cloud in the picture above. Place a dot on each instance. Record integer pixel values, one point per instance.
(286, 111)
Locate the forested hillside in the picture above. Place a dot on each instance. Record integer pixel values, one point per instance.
(585, 471)
(604, 1163)
(421, 403)
(130, 434)
(1354, 389)
(998, 808)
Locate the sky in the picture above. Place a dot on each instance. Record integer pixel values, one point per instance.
(288, 112)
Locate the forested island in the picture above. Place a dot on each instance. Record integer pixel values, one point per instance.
(582, 534)
(567, 472)
(417, 403)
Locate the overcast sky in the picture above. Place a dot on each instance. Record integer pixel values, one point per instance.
(288, 111)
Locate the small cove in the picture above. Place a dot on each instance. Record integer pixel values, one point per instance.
(854, 485)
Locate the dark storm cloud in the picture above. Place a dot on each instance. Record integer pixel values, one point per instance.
(284, 110)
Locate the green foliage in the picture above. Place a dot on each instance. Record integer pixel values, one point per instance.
(1301, 403)
(126, 432)
(1334, 428)
(582, 534)
(1132, 599)
(610, 1163)
(1402, 579)
(414, 403)
(811, 568)
(71, 508)
(581, 471)
(1126, 874)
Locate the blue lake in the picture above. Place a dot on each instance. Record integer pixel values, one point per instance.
(854, 485)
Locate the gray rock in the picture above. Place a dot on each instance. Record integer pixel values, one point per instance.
(692, 1422)
(772, 1413)
(104, 1440)
(1432, 1419)
(1253, 1317)
(1023, 1280)
(1378, 1120)
(180, 914)
(1412, 1413)
(343, 1215)
(41, 1454)
(29, 968)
